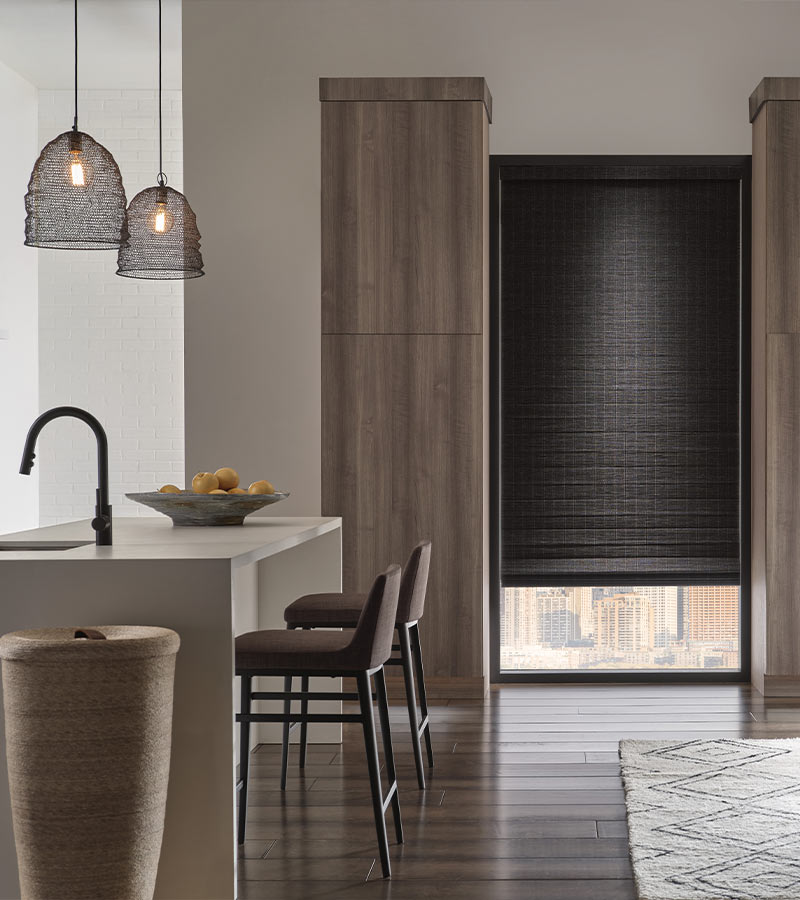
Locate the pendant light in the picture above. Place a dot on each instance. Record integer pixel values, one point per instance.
(164, 240)
(75, 198)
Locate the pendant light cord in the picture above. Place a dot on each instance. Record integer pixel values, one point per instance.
(162, 178)
(75, 120)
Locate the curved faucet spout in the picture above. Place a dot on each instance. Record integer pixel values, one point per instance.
(102, 520)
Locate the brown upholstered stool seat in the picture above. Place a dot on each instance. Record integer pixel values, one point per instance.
(319, 610)
(281, 649)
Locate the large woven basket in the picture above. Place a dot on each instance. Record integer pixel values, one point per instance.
(88, 734)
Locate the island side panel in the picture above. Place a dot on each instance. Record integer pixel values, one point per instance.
(244, 588)
(194, 598)
(311, 568)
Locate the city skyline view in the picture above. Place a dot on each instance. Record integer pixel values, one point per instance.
(694, 627)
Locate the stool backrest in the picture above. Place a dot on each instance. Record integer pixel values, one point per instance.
(414, 584)
(372, 639)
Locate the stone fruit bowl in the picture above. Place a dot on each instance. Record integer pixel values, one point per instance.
(188, 508)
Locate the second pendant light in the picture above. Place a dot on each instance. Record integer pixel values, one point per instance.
(163, 238)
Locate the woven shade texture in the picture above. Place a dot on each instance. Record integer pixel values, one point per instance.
(620, 309)
(63, 215)
(172, 253)
(88, 737)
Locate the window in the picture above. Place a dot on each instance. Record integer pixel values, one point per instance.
(625, 628)
(619, 293)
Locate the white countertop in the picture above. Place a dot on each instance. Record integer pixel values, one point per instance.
(157, 538)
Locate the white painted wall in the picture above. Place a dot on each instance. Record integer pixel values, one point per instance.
(108, 344)
(18, 303)
(567, 76)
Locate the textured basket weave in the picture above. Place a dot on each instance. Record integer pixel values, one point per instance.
(88, 734)
(87, 217)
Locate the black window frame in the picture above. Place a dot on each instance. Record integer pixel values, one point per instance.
(645, 676)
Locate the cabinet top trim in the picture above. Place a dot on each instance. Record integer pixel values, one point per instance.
(773, 89)
(408, 89)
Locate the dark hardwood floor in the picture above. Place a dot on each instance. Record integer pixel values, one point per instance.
(525, 799)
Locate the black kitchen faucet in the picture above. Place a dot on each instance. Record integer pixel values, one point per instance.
(102, 511)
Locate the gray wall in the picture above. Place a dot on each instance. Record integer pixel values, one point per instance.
(567, 76)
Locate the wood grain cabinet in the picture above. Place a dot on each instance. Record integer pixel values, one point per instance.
(404, 346)
(775, 114)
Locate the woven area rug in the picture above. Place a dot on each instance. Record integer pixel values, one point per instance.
(714, 819)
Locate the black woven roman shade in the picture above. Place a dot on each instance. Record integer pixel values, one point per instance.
(620, 305)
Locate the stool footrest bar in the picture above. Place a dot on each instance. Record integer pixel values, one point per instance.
(298, 717)
(389, 794)
(302, 695)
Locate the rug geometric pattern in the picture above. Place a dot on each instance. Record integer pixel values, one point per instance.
(714, 819)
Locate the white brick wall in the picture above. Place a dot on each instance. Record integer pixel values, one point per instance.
(111, 345)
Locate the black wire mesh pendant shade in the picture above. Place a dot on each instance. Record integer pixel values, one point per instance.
(75, 199)
(164, 241)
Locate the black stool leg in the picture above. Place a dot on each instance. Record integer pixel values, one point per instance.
(423, 700)
(388, 753)
(411, 701)
(371, 746)
(244, 757)
(303, 725)
(287, 712)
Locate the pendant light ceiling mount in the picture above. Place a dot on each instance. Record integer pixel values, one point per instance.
(164, 241)
(76, 199)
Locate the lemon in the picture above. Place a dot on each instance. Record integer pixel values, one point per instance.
(204, 483)
(228, 478)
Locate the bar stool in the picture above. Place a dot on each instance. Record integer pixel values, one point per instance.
(342, 611)
(360, 655)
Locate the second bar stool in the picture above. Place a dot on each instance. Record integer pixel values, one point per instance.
(343, 611)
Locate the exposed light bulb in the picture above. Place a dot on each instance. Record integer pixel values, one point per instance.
(76, 168)
(162, 220)
(80, 171)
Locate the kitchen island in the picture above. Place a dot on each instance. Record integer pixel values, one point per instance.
(208, 584)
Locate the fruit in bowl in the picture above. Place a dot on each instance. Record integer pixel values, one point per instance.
(214, 498)
(261, 487)
(213, 506)
(204, 483)
(228, 478)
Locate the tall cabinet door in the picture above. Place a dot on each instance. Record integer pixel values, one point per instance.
(775, 387)
(404, 367)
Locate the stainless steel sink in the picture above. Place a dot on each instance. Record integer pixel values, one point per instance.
(41, 545)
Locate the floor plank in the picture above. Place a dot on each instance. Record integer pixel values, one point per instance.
(423, 848)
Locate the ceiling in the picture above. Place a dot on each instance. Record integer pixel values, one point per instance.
(117, 40)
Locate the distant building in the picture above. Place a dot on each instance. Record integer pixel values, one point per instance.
(624, 624)
(664, 601)
(519, 619)
(712, 613)
(559, 621)
(584, 607)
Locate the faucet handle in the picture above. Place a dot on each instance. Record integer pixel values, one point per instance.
(101, 523)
